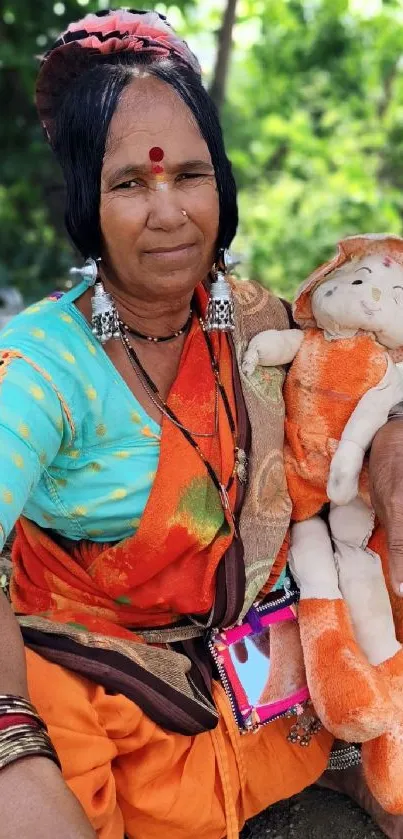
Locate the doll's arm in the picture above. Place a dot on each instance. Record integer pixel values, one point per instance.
(272, 348)
(373, 408)
(367, 418)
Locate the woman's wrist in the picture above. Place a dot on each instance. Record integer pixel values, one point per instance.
(13, 669)
(37, 804)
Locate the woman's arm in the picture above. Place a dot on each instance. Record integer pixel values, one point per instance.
(386, 484)
(35, 803)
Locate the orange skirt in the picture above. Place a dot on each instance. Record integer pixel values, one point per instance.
(135, 778)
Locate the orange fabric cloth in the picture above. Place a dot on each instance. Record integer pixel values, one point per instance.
(168, 567)
(325, 383)
(131, 775)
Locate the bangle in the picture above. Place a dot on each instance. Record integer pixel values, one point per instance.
(10, 704)
(13, 720)
(27, 744)
(23, 732)
(343, 757)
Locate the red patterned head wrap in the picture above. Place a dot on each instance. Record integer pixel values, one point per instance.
(102, 33)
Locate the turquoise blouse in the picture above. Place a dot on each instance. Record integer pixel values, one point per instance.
(78, 453)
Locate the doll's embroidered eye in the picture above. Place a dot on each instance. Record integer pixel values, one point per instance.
(356, 282)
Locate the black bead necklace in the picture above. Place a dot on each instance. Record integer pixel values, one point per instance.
(153, 393)
(158, 339)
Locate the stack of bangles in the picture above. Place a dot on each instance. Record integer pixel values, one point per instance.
(22, 732)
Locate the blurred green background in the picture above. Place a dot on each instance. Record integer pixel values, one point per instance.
(311, 100)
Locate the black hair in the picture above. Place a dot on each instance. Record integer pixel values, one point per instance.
(81, 131)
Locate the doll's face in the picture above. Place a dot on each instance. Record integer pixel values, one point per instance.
(363, 294)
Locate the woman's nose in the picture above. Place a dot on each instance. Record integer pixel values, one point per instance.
(165, 209)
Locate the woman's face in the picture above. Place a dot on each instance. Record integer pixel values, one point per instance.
(159, 206)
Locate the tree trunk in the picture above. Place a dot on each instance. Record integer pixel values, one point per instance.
(217, 88)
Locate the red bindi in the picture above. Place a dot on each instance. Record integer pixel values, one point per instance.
(387, 261)
(156, 154)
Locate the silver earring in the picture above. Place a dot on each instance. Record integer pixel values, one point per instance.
(88, 272)
(220, 307)
(105, 319)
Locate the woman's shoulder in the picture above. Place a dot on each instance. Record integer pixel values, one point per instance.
(52, 335)
(257, 308)
(53, 317)
(32, 321)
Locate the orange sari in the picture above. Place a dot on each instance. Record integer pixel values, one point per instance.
(144, 756)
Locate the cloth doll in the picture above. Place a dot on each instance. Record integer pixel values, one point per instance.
(341, 385)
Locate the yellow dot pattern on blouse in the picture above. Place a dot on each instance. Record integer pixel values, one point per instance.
(78, 453)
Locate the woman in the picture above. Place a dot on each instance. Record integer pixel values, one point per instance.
(124, 459)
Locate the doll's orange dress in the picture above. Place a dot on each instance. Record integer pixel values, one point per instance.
(325, 383)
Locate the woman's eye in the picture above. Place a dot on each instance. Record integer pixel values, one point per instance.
(189, 176)
(128, 185)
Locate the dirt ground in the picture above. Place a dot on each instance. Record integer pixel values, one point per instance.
(315, 814)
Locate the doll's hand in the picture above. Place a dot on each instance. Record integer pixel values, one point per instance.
(250, 360)
(271, 348)
(345, 469)
(263, 349)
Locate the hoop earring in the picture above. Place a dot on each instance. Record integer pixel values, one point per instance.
(220, 307)
(88, 271)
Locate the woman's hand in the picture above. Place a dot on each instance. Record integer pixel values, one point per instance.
(35, 802)
(386, 485)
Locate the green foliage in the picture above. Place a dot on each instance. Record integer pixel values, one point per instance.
(313, 123)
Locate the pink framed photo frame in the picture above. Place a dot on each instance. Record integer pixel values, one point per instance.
(260, 662)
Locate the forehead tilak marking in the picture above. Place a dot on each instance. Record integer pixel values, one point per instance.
(156, 155)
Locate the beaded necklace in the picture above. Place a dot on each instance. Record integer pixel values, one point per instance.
(153, 393)
(157, 339)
